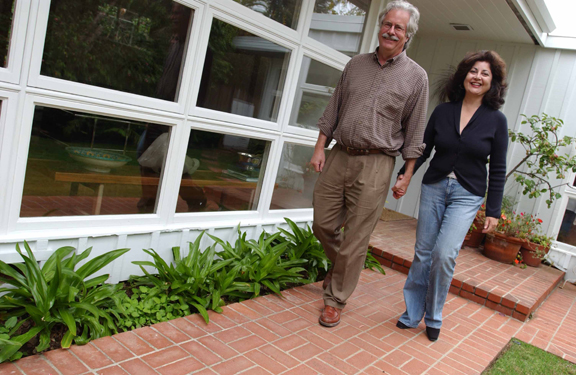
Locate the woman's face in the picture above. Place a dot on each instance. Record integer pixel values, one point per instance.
(479, 79)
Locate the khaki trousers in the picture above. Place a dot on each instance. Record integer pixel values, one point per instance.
(350, 191)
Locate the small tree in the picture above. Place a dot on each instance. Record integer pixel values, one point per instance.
(543, 157)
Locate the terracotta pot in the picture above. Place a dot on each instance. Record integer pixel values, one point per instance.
(528, 251)
(474, 238)
(501, 248)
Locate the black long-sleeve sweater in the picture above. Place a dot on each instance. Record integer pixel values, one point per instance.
(485, 137)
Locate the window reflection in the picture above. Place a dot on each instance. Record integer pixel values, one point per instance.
(228, 169)
(567, 232)
(243, 73)
(295, 179)
(315, 87)
(6, 18)
(285, 12)
(339, 24)
(137, 47)
(85, 164)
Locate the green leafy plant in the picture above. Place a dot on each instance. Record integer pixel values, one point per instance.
(302, 244)
(260, 264)
(10, 344)
(546, 154)
(148, 306)
(58, 293)
(372, 264)
(191, 276)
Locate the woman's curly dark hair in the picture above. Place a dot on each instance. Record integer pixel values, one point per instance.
(452, 89)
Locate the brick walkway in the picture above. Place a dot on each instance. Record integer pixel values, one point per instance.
(508, 289)
(282, 336)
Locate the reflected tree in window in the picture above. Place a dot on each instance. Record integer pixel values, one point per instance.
(243, 73)
(285, 12)
(6, 18)
(136, 47)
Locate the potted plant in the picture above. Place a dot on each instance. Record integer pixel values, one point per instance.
(474, 237)
(535, 249)
(547, 157)
(504, 244)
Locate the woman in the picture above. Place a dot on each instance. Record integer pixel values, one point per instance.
(467, 132)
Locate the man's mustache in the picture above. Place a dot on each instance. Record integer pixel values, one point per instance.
(390, 37)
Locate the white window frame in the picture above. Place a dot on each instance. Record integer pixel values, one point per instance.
(203, 46)
(19, 162)
(266, 183)
(35, 79)
(293, 92)
(11, 73)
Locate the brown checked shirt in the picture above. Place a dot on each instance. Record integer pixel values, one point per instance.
(379, 106)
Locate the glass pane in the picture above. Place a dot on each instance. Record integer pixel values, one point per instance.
(340, 24)
(315, 87)
(285, 11)
(243, 73)
(6, 18)
(84, 164)
(136, 47)
(222, 173)
(295, 179)
(567, 232)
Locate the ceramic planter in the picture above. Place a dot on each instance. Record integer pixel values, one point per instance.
(528, 251)
(501, 248)
(475, 237)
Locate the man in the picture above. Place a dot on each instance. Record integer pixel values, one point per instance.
(377, 111)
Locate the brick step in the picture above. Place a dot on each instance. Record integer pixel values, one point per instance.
(518, 302)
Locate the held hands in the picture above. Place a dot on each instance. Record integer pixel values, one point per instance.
(318, 160)
(490, 224)
(401, 186)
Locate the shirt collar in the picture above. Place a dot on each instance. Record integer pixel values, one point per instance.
(393, 60)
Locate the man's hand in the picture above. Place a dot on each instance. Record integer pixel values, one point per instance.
(318, 159)
(401, 187)
(490, 224)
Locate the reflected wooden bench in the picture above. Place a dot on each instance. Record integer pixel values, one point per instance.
(201, 179)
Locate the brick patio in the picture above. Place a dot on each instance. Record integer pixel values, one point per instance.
(270, 335)
(505, 288)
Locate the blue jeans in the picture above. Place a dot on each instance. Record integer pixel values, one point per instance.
(446, 213)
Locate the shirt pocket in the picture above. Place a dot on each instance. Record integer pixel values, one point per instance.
(389, 107)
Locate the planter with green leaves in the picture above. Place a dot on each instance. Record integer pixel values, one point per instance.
(547, 156)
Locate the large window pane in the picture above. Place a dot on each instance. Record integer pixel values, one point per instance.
(243, 73)
(222, 172)
(567, 232)
(340, 24)
(84, 164)
(133, 46)
(6, 19)
(295, 179)
(315, 87)
(285, 11)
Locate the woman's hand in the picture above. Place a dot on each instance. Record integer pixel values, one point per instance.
(490, 224)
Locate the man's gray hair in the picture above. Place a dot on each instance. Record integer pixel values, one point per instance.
(412, 26)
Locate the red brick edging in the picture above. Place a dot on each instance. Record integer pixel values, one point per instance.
(470, 292)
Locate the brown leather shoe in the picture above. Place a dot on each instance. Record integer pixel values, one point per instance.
(330, 316)
(327, 279)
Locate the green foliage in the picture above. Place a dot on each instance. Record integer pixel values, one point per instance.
(10, 344)
(193, 277)
(58, 293)
(259, 264)
(303, 245)
(148, 306)
(372, 264)
(547, 156)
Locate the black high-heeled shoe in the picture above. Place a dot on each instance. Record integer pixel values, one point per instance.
(432, 333)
